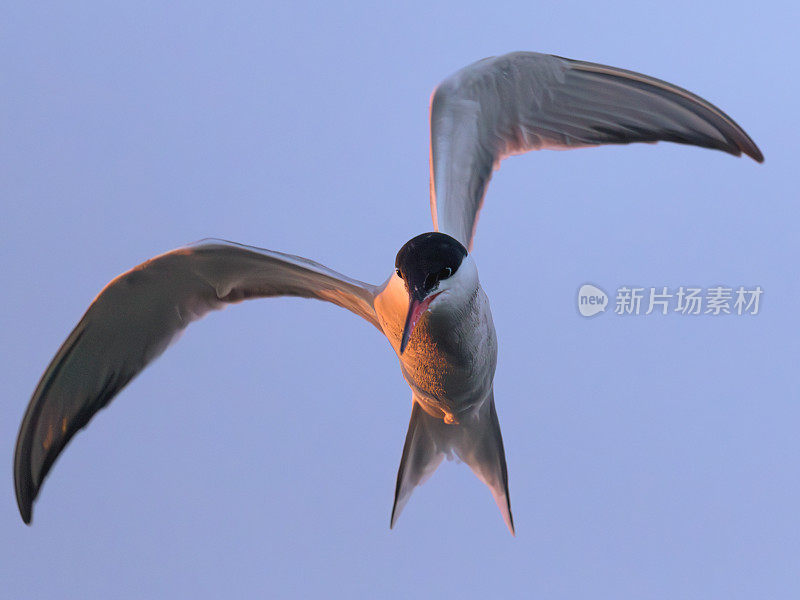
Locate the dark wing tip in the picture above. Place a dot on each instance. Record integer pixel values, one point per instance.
(25, 511)
(25, 487)
(736, 140)
(23, 484)
(25, 504)
(753, 152)
(30, 467)
(741, 143)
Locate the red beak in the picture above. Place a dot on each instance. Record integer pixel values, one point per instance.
(416, 308)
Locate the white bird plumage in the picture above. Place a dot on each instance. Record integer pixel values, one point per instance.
(432, 308)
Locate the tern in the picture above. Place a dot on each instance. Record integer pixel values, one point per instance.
(431, 309)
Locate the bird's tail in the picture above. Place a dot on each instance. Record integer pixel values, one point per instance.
(476, 440)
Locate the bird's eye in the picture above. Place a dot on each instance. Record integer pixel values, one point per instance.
(445, 273)
(399, 274)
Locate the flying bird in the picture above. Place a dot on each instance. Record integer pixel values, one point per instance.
(431, 309)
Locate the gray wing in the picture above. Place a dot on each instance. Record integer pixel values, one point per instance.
(527, 101)
(134, 319)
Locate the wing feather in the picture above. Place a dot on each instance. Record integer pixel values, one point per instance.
(134, 319)
(528, 101)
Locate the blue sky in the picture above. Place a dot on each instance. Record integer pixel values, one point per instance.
(649, 456)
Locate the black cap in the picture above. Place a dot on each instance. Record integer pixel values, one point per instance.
(426, 259)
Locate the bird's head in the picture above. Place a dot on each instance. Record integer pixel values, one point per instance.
(437, 272)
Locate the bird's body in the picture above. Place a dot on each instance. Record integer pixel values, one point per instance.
(431, 309)
(450, 360)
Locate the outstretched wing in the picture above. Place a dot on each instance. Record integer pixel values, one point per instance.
(527, 101)
(134, 319)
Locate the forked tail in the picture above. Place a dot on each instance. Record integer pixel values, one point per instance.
(476, 440)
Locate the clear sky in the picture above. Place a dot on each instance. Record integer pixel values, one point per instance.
(649, 456)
